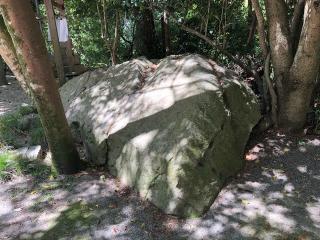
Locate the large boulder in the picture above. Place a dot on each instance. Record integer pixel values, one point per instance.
(174, 131)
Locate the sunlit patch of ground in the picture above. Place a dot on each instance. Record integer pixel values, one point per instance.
(276, 197)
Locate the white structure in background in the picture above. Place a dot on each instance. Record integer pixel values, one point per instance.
(62, 28)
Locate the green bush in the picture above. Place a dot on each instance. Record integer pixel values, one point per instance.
(7, 162)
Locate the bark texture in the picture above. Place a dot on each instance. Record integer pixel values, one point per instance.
(304, 71)
(3, 80)
(9, 55)
(33, 58)
(295, 69)
(296, 24)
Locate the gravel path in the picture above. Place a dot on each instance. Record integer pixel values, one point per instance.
(277, 196)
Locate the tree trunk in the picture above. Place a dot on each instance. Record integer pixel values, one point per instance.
(10, 57)
(303, 72)
(261, 31)
(165, 33)
(252, 24)
(296, 24)
(116, 40)
(112, 44)
(145, 40)
(32, 54)
(295, 69)
(3, 79)
(280, 47)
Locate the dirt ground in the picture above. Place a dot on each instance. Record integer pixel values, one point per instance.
(276, 196)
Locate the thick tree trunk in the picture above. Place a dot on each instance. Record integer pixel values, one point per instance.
(303, 72)
(145, 40)
(295, 69)
(3, 79)
(25, 33)
(280, 44)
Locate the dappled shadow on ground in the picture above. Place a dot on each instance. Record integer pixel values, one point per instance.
(86, 206)
(276, 197)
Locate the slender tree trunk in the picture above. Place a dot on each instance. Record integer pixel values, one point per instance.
(32, 54)
(112, 44)
(3, 79)
(165, 33)
(207, 18)
(252, 31)
(252, 24)
(116, 40)
(261, 31)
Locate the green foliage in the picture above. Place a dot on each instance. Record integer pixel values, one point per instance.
(8, 129)
(228, 25)
(21, 128)
(84, 28)
(7, 161)
(12, 165)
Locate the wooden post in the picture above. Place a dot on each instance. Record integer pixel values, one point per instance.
(55, 41)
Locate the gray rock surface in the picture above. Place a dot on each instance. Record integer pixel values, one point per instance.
(175, 131)
(28, 153)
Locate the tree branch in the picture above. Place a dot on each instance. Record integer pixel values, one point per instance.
(237, 61)
(296, 24)
(261, 25)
